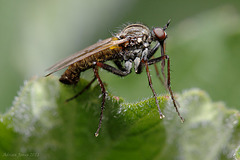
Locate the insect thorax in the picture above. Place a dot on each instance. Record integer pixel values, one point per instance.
(139, 38)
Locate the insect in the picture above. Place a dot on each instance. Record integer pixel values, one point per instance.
(130, 47)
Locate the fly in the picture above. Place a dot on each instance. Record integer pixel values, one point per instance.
(127, 49)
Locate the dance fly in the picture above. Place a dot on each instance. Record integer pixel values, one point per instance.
(127, 49)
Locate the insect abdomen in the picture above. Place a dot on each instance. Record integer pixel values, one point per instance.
(72, 74)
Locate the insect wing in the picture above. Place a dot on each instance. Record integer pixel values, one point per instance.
(95, 48)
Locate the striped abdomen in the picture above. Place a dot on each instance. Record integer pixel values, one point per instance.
(72, 74)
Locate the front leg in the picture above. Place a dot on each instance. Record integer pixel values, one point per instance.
(150, 55)
(162, 44)
(162, 58)
(154, 93)
(122, 73)
(153, 50)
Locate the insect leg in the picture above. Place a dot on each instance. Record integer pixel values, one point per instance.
(83, 90)
(170, 90)
(153, 61)
(158, 74)
(112, 69)
(163, 63)
(154, 93)
(119, 65)
(151, 53)
(95, 69)
(162, 44)
(153, 50)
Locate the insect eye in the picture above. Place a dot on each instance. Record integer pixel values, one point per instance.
(160, 34)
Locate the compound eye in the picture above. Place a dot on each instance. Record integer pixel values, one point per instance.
(160, 34)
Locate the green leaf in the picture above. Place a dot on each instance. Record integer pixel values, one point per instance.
(40, 125)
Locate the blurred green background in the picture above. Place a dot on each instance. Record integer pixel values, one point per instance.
(203, 43)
